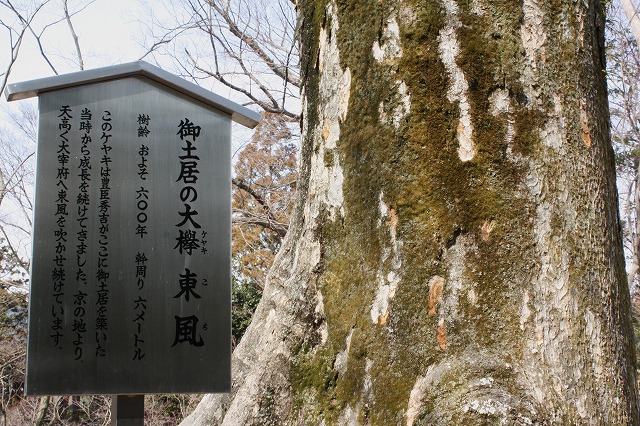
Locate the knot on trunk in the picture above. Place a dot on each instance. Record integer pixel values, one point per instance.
(474, 390)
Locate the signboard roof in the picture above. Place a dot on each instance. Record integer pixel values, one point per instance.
(28, 89)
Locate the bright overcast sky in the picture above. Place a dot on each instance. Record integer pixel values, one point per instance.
(108, 32)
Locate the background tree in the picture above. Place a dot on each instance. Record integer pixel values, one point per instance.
(263, 189)
(13, 318)
(17, 165)
(454, 255)
(623, 75)
(623, 64)
(630, 8)
(264, 184)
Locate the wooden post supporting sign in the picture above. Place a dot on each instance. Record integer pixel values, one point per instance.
(127, 410)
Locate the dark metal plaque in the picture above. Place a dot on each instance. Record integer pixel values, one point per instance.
(130, 290)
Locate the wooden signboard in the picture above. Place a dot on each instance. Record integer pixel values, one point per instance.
(130, 281)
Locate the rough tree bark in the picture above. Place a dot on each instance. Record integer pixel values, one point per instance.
(455, 255)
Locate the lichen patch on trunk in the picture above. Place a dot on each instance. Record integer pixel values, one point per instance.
(392, 112)
(334, 91)
(415, 401)
(343, 357)
(449, 48)
(388, 49)
(441, 334)
(388, 277)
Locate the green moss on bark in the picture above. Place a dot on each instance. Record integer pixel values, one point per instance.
(442, 204)
(435, 195)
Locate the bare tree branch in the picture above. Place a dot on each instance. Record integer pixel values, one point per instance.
(250, 48)
(278, 228)
(25, 24)
(73, 34)
(270, 222)
(278, 69)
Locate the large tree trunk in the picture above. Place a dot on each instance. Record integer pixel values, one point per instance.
(455, 255)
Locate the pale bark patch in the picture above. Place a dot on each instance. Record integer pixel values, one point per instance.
(552, 303)
(382, 209)
(431, 378)
(483, 382)
(415, 401)
(407, 14)
(500, 102)
(501, 105)
(488, 407)
(457, 287)
(367, 378)
(334, 91)
(457, 282)
(342, 357)
(593, 332)
(486, 228)
(449, 48)
(472, 298)
(441, 334)
(552, 134)
(478, 7)
(558, 109)
(532, 31)
(323, 330)
(525, 312)
(533, 38)
(349, 416)
(389, 279)
(390, 49)
(400, 107)
(581, 27)
(387, 51)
